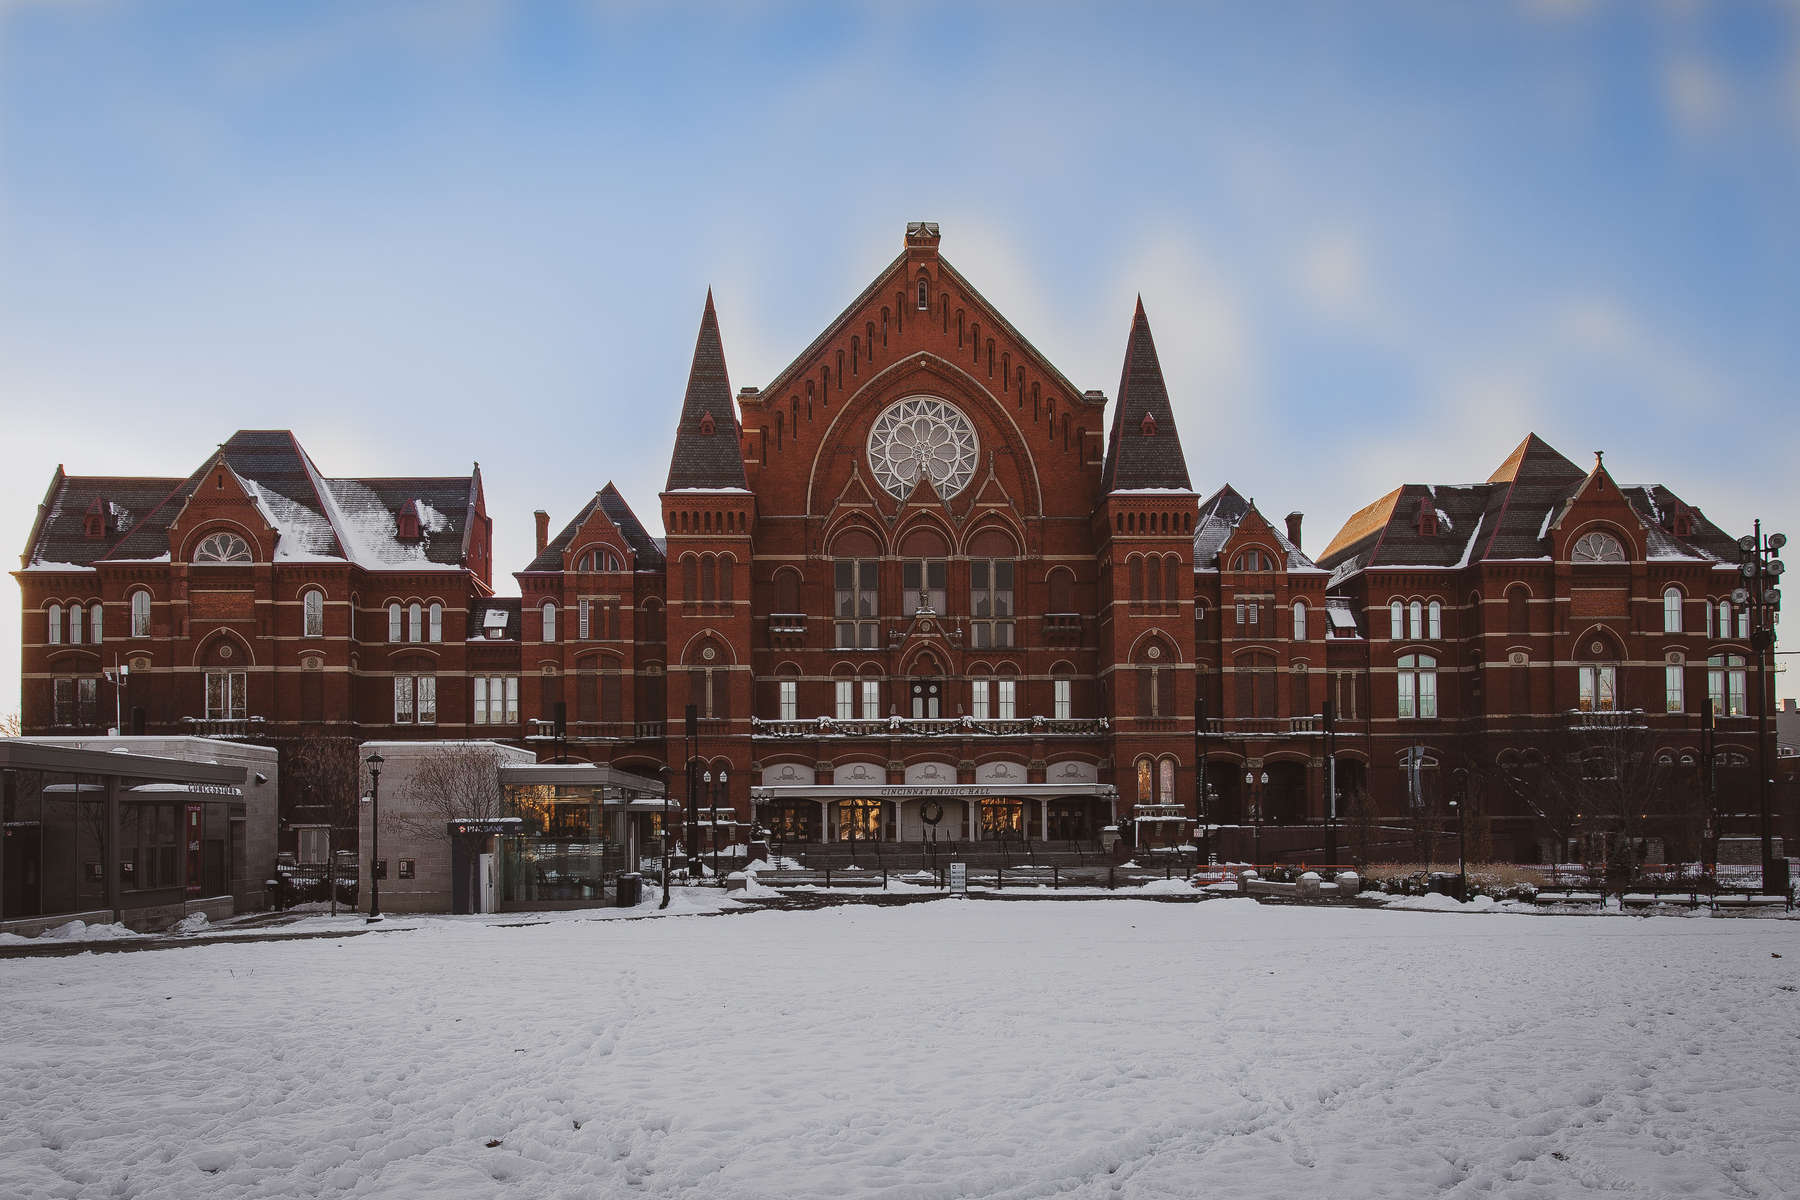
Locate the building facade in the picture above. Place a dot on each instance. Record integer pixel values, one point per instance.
(920, 585)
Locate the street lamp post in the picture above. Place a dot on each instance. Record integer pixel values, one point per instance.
(715, 820)
(1331, 846)
(1254, 786)
(374, 760)
(1761, 570)
(1461, 805)
(667, 826)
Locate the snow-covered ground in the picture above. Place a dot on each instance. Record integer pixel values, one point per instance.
(949, 1049)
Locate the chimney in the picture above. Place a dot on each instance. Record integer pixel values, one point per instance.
(543, 529)
(1293, 524)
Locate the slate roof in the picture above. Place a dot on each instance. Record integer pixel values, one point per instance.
(611, 502)
(707, 460)
(318, 519)
(1220, 515)
(1507, 517)
(1134, 460)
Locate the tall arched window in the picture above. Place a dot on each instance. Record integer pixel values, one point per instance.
(1062, 591)
(435, 626)
(1136, 592)
(1299, 620)
(923, 571)
(95, 618)
(1417, 676)
(140, 613)
(394, 631)
(1434, 620)
(709, 579)
(1724, 618)
(1165, 789)
(1156, 681)
(1671, 610)
(1518, 609)
(1146, 781)
(415, 622)
(1396, 621)
(53, 625)
(856, 595)
(991, 589)
(549, 622)
(75, 624)
(312, 613)
(1415, 620)
(1172, 579)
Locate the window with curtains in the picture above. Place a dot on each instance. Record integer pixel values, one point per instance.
(496, 699)
(1727, 684)
(53, 625)
(1675, 687)
(1671, 611)
(226, 695)
(394, 619)
(857, 603)
(1417, 685)
(871, 699)
(1597, 687)
(140, 613)
(312, 613)
(979, 694)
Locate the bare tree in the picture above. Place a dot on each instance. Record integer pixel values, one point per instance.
(455, 782)
(11, 725)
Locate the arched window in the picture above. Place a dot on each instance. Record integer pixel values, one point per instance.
(1146, 781)
(690, 578)
(53, 625)
(787, 591)
(709, 581)
(726, 563)
(1165, 789)
(312, 613)
(923, 571)
(1417, 676)
(435, 627)
(549, 623)
(1434, 620)
(1156, 681)
(140, 613)
(1724, 618)
(1415, 620)
(415, 622)
(855, 570)
(1062, 591)
(222, 548)
(75, 623)
(1172, 579)
(394, 633)
(1299, 620)
(1396, 621)
(1136, 593)
(1671, 610)
(1597, 548)
(991, 589)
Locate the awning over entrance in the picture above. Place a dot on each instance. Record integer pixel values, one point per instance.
(955, 791)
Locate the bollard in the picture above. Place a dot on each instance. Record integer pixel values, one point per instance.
(1055, 879)
(828, 878)
(1112, 880)
(1000, 877)
(884, 885)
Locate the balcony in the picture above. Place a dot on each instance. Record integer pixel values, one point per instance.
(1242, 727)
(786, 624)
(1618, 719)
(1062, 626)
(918, 727)
(581, 732)
(225, 727)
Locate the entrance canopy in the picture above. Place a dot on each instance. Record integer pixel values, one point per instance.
(953, 791)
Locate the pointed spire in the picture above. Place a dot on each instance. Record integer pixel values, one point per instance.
(707, 457)
(1144, 450)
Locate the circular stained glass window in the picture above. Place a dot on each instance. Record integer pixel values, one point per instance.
(921, 435)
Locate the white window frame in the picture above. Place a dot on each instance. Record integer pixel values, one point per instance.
(978, 699)
(1597, 687)
(312, 613)
(1397, 621)
(140, 613)
(415, 622)
(1063, 705)
(1415, 620)
(871, 699)
(1434, 620)
(1416, 687)
(480, 684)
(53, 625)
(845, 697)
(435, 622)
(403, 700)
(788, 694)
(1006, 704)
(76, 612)
(1672, 613)
(1675, 687)
(1299, 620)
(232, 701)
(96, 623)
(548, 633)
(395, 626)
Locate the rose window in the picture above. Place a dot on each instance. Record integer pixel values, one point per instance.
(922, 436)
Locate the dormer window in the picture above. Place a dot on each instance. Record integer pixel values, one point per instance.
(706, 424)
(94, 524)
(406, 523)
(1682, 523)
(1147, 426)
(1427, 519)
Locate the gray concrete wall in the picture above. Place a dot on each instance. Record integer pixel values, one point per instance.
(410, 831)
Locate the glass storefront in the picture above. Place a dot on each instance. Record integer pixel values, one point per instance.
(567, 847)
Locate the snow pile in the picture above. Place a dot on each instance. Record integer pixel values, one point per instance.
(194, 922)
(1433, 902)
(72, 931)
(957, 1048)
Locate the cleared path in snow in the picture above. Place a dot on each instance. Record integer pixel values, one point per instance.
(942, 1050)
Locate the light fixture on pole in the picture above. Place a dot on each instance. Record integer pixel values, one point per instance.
(1761, 570)
(374, 760)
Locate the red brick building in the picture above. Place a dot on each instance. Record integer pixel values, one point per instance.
(918, 585)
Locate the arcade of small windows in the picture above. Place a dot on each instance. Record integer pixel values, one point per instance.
(599, 559)
(1416, 621)
(706, 578)
(77, 623)
(1156, 781)
(415, 622)
(1253, 559)
(1153, 579)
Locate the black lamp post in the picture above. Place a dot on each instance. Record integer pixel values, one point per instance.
(667, 826)
(1201, 807)
(716, 796)
(1254, 786)
(1461, 805)
(374, 760)
(1331, 847)
(1761, 569)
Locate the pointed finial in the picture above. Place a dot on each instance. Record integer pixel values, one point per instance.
(1140, 304)
(1599, 459)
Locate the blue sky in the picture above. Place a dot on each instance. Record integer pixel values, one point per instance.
(1377, 242)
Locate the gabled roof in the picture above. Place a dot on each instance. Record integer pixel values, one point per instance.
(1508, 517)
(316, 519)
(1220, 515)
(707, 454)
(1144, 450)
(612, 503)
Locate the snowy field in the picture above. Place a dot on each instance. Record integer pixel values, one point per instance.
(956, 1048)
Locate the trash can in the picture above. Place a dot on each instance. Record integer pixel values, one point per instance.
(630, 889)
